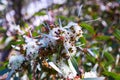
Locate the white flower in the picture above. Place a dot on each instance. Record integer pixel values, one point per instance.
(75, 29)
(90, 75)
(47, 40)
(2, 7)
(15, 47)
(15, 61)
(59, 1)
(13, 28)
(24, 77)
(70, 49)
(32, 48)
(60, 32)
(37, 20)
(32, 7)
(10, 16)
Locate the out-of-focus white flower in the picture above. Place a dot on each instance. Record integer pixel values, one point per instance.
(102, 7)
(14, 29)
(104, 23)
(59, 1)
(15, 47)
(3, 5)
(110, 49)
(37, 20)
(117, 59)
(24, 77)
(109, 68)
(90, 75)
(10, 16)
(7, 41)
(33, 7)
(15, 61)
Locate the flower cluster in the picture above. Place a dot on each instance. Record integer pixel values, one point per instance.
(58, 42)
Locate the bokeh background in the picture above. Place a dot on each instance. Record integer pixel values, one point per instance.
(99, 19)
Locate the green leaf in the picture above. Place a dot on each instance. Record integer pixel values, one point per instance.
(2, 67)
(71, 66)
(41, 13)
(3, 71)
(64, 18)
(1, 29)
(103, 37)
(83, 40)
(90, 58)
(17, 42)
(109, 57)
(113, 75)
(34, 34)
(88, 27)
(75, 64)
(117, 34)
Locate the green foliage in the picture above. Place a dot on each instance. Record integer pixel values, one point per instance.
(90, 58)
(109, 57)
(83, 40)
(41, 13)
(103, 37)
(117, 34)
(75, 64)
(2, 30)
(97, 35)
(87, 27)
(112, 75)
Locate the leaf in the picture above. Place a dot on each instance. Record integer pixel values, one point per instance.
(17, 42)
(2, 30)
(3, 70)
(55, 67)
(87, 27)
(109, 58)
(83, 40)
(71, 66)
(117, 34)
(90, 58)
(10, 74)
(91, 53)
(103, 37)
(64, 18)
(75, 64)
(3, 65)
(41, 13)
(113, 75)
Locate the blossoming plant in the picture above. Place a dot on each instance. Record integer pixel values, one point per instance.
(49, 55)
